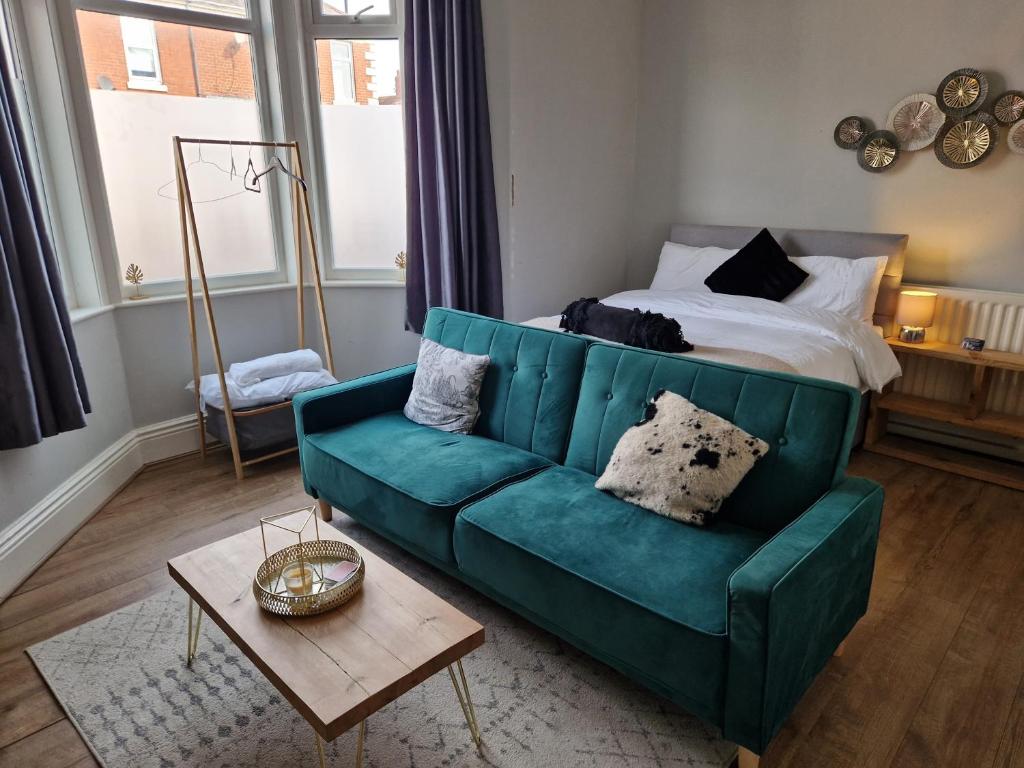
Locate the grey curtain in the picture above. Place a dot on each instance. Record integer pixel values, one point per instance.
(453, 252)
(42, 390)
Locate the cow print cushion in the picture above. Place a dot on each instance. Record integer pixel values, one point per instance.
(680, 461)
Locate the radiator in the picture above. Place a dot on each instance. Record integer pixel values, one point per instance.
(999, 319)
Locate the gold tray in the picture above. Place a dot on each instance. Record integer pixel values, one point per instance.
(272, 595)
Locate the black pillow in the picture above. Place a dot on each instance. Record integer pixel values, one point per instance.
(760, 268)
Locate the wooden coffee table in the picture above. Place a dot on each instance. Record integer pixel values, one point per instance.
(339, 667)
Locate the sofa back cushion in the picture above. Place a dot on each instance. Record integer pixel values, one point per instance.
(807, 423)
(529, 392)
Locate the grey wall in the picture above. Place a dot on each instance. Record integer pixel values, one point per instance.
(738, 101)
(563, 91)
(28, 474)
(366, 326)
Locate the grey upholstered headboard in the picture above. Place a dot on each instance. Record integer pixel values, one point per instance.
(816, 242)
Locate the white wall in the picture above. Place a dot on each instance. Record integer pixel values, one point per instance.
(738, 102)
(366, 326)
(29, 474)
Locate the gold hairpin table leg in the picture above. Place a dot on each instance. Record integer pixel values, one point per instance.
(320, 750)
(466, 702)
(359, 746)
(192, 636)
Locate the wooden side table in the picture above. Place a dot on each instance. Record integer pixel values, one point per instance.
(972, 414)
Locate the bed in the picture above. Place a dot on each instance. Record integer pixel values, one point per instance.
(750, 332)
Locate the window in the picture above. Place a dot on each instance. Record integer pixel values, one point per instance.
(140, 52)
(369, 10)
(342, 74)
(207, 89)
(362, 145)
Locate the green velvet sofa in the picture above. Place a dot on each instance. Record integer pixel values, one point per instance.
(732, 621)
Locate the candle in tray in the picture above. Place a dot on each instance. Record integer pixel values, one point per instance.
(298, 578)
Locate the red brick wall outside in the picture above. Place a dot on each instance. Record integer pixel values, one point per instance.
(359, 65)
(224, 65)
(325, 71)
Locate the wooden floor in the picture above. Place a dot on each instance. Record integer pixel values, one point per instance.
(932, 676)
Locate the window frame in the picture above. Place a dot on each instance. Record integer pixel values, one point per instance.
(317, 26)
(97, 201)
(391, 19)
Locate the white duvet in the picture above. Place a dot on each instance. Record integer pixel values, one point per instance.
(813, 342)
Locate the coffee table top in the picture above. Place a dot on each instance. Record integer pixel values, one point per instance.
(339, 667)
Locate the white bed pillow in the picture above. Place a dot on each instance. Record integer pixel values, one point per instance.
(848, 286)
(685, 267)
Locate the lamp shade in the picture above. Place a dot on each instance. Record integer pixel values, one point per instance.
(916, 308)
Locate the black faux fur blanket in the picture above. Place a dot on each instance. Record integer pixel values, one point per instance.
(647, 330)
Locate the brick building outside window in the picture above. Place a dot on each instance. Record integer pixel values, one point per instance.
(125, 54)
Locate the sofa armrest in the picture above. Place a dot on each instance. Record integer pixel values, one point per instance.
(791, 604)
(329, 407)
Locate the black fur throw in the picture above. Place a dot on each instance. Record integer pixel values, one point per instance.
(647, 330)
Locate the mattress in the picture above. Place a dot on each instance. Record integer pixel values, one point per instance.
(756, 333)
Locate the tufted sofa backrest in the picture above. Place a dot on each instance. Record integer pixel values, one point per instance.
(808, 424)
(529, 393)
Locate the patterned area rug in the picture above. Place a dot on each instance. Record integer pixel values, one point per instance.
(539, 701)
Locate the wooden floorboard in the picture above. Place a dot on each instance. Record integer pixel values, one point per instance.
(932, 676)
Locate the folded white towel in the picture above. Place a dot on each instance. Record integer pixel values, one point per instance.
(272, 366)
(262, 392)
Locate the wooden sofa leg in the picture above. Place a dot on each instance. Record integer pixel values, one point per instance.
(325, 510)
(748, 759)
(840, 649)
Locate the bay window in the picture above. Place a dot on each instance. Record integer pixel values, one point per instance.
(134, 73)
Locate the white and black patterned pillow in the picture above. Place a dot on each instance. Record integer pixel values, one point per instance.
(680, 461)
(446, 388)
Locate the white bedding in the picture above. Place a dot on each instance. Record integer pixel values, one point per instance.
(813, 342)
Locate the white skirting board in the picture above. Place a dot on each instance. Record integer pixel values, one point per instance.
(38, 533)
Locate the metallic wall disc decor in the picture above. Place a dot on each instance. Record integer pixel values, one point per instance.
(968, 142)
(878, 151)
(1009, 108)
(916, 121)
(1015, 137)
(851, 131)
(962, 92)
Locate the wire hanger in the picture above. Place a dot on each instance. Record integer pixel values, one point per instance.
(253, 184)
(231, 173)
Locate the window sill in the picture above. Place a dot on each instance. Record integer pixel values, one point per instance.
(364, 283)
(85, 313)
(170, 298)
(146, 85)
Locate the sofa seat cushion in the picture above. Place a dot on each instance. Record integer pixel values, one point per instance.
(642, 592)
(408, 481)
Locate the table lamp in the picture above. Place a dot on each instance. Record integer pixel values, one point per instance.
(914, 313)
